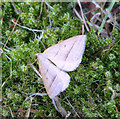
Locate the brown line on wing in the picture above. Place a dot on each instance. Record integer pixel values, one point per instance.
(52, 81)
(57, 52)
(46, 72)
(69, 51)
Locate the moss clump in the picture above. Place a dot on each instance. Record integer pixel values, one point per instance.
(95, 85)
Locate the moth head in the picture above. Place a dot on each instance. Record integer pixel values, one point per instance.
(40, 56)
(37, 55)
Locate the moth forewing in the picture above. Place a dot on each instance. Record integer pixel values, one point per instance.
(67, 52)
(66, 55)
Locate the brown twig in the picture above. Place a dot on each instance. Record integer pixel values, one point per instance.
(78, 15)
(99, 114)
(6, 46)
(83, 16)
(72, 108)
(11, 32)
(40, 11)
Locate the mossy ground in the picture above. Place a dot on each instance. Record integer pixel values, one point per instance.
(91, 88)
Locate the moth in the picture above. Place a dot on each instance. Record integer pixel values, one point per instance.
(57, 60)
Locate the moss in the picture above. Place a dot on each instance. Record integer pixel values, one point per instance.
(98, 70)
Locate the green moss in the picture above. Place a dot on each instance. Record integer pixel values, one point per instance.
(88, 91)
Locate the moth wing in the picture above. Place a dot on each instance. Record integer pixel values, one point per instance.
(54, 79)
(67, 55)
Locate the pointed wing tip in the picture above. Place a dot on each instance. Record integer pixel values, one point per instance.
(79, 37)
(83, 36)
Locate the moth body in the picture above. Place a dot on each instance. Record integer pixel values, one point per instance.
(61, 57)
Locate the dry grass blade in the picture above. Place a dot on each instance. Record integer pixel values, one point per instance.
(28, 110)
(11, 112)
(95, 16)
(83, 16)
(106, 15)
(40, 11)
(100, 115)
(72, 108)
(58, 107)
(67, 115)
(11, 32)
(98, 6)
(113, 91)
(33, 67)
(48, 5)
(112, 19)
(78, 14)
(24, 27)
(39, 94)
